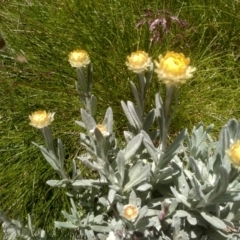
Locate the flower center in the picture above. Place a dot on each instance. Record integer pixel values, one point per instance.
(174, 63)
(130, 212)
(139, 59)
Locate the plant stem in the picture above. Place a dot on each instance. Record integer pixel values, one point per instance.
(168, 100)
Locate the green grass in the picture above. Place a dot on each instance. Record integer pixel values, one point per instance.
(46, 31)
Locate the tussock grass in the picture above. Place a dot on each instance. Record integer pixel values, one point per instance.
(46, 31)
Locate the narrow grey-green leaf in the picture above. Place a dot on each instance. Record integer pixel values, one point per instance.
(100, 140)
(60, 153)
(179, 179)
(195, 168)
(86, 183)
(135, 93)
(142, 213)
(89, 164)
(49, 157)
(221, 185)
(88, 120)
(142, 224)
(151, 149)
(171, 150)
(128, 115)
(121, 164)
(143, 174)
(148, 121)
(160, 114)
(111, 195)
(228, 197)
(133, 146)
(144, 187)
(55, 183)
(89, 77)
(81, 124)
(180, 197)
(197, 188)
(214, 221)
(135, 114)
(104, 229)
(181, 213)
(68, 225)
(74, 169)
(224, 181)
(93, 105)
(108, 120)
(233, 128)
(133, 198)
(224, 140)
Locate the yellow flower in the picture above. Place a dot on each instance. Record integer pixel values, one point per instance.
(173, 68)
(138, 61)
(41, 119)
(102, 129)
(234, 154)
(130, 212)
(78, 58)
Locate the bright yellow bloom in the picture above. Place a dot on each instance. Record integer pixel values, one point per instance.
(234, 154)
(102, 129)
(130, 212)
(41, 119)
(138, 61)
(78, 58)
(173, 68)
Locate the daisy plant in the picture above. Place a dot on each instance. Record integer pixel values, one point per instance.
(149, 187)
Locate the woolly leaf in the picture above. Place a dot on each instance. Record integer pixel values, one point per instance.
(65, 225)
(88, 120)
(214, 221)
(150, 147)
(133, 146)
(135, 114)
(135, 94)
(108, 120)
(171, 150)
(93, 105)
(133, 198)
(104, 229)
(144, 187)
(148, 121)
(128, 115)
(121, 165)
(141, 174)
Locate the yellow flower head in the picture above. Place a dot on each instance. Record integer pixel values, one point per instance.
(102, 129)
(173, 68)
(41, 119)
(234, 154)
(78, 58)
(130, 212)
(138, 61)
